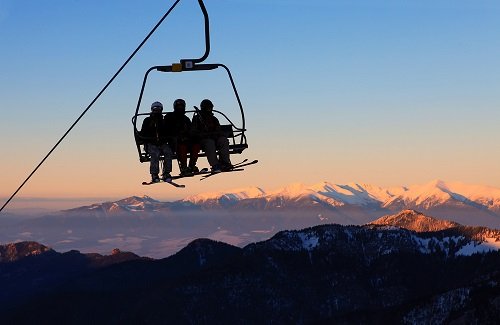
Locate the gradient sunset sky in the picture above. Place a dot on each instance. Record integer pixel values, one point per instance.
(382, 92)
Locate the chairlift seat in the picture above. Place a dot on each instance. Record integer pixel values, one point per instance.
(237, 144)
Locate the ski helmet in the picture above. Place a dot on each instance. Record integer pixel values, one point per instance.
(206, 105)
(157, 107)
(180, 106)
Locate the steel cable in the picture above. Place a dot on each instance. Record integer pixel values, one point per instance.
(92, 102)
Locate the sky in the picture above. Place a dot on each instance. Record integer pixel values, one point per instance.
(381, 92)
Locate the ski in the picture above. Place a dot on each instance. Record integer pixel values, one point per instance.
(245, 163)
(236, 168)
(222, 172)
(241, 162)
(201, 172)
(167, 181)
(205, 172)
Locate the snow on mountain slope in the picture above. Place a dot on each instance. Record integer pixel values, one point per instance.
(377, 239)
(470, 240)
(439, 192)
(130, 204)
(486, 245)
(331, 194)
(424, 196)
(236, 195)
(353, 203)
(485, 195)
(351, 193)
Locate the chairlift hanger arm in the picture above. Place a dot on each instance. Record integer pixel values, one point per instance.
(186, 63)
(207, 34)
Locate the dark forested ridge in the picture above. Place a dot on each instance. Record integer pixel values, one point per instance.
(327, 273)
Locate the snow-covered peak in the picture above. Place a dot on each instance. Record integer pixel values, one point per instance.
(135, 200)
(431, 193)
(293, 190)
(235, 195)
(129, 204)
(296, 191)
(351, 193)
(486, 195)
(438, 192)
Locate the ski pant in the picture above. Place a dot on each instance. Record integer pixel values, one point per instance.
(155, 151)
(182, 150)
(210, 147)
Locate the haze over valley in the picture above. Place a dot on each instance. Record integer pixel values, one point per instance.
(153, 228)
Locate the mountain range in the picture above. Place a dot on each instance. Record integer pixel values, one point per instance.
(404, 268)
(344, 204)
(424, 196)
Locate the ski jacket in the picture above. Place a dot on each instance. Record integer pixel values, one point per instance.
(178, 126)
(206, 125)
(153, 130)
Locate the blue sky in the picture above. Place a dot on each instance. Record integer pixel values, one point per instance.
(382, 92)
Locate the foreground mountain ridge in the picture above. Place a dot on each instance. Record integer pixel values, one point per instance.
(415, 232)
(380, 272)
(429, 232)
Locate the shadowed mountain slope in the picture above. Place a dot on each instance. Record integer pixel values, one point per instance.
(328, 273)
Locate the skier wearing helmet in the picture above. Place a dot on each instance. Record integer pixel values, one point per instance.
(179, 127)
(212, 139)
(153, 132)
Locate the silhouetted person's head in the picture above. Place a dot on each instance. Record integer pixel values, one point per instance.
(156, 108)
(206, 105)
(179, 106)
